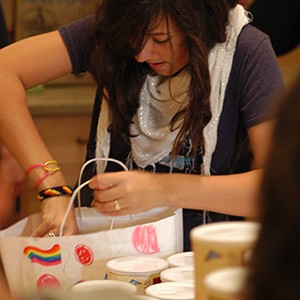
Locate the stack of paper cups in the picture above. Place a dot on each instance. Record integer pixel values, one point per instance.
(172, 291)
(219, 245)
(181, 259)
(181, 274)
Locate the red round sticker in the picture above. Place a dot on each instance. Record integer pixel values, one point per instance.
(144, 239)
(47, 281)
(84, 254)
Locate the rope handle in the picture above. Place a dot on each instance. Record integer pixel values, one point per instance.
(80, 186)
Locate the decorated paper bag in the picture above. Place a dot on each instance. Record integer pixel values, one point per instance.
(35, 264)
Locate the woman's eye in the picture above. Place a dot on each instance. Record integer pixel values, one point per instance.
(161, 41)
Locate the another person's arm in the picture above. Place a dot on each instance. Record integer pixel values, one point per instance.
(23, 65)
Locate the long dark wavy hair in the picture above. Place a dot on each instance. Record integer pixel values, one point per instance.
(119, 24)
(274, 271)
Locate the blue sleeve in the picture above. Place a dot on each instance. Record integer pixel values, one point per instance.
(260, 78)
(77, 37)
(253, 87)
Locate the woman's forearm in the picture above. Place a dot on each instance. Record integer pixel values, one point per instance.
(24, 65)
(19, 134)
(228, 194)
(138, 191)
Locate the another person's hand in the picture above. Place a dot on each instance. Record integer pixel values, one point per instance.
(53, 211)
(123, 193)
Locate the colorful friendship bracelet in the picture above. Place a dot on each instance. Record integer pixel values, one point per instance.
(46, 168)
(54, 192)
(42, 178)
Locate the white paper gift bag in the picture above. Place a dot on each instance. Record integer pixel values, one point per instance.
(35, 264)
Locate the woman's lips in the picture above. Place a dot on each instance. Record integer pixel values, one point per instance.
(156, 66)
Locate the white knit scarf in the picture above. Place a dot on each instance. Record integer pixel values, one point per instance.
(161, 99)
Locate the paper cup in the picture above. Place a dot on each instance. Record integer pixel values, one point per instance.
(142, 271)
(226, 284)
(181, 259)
(183, 274)
(96, 286)
(172, 291)
(219, 245)
(144, 297)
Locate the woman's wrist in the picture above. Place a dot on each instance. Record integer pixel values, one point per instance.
(56, 179)
(45, 174)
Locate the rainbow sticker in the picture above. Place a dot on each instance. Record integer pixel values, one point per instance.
(49, 257)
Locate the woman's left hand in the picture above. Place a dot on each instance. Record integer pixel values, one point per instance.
(123, 193)
(53, 212)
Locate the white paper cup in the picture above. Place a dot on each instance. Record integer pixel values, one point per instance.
(219, 245)
(141, 271)
(144, 297)
(181, 259)
(172, 291)
(226, 284)
(183, 274)
(96, 286)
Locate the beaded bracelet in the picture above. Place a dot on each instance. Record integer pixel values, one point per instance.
(54, 192)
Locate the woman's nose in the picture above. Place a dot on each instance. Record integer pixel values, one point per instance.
(146, 53)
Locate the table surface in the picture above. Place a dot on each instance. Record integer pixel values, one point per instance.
(59, 100)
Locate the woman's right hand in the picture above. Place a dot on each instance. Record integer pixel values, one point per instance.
(53, 211)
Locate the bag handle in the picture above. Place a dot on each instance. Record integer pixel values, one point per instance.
(80, 186)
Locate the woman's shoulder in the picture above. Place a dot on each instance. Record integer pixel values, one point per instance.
(79, 27)
(77, 37)
(251, 37)
(253, 47)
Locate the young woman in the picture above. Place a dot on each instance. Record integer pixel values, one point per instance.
(181, 85)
